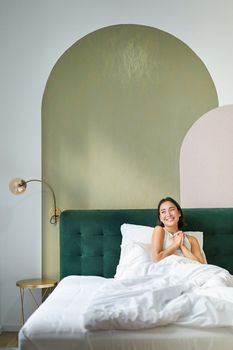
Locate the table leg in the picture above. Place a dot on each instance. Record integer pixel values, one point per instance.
(33, 297)
(22, 304)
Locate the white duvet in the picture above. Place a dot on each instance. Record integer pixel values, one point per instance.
(175, 290)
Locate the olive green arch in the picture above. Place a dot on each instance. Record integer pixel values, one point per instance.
(115, 110)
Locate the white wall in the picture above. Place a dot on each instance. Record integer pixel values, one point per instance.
(33, 34)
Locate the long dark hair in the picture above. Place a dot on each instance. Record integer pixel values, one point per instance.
(169, 199)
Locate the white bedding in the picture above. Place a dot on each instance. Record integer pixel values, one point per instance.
(59, 324)
(175, 290)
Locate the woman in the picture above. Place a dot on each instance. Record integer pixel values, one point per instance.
(168, 238)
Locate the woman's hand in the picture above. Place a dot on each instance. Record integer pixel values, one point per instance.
(178, 239)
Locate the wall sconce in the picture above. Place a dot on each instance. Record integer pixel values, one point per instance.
(18, 186)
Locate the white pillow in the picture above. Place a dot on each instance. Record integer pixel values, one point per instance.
(143, 234)
(132, 254)
(136, 233)
(136, 246)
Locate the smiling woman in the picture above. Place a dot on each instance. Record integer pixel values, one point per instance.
(169, 213)
(168, 238)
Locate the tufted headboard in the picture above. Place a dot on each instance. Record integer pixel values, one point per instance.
(90, 239)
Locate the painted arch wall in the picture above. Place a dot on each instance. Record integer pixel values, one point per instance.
(116, 108)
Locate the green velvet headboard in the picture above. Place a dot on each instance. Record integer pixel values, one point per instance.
(90, 239)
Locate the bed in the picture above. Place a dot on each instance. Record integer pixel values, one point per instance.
(91, 246)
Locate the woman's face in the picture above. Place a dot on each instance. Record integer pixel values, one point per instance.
(169, 214)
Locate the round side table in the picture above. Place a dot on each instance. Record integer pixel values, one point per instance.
(30, 284)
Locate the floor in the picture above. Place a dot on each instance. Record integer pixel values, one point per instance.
(8, 339)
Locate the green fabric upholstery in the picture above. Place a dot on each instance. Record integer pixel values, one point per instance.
(90, 239)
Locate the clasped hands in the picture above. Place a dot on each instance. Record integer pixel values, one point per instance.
(178, 239)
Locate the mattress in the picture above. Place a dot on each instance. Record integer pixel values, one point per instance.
(58, 324)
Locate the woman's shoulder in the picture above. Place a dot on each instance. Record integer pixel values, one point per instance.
(159, 229)
(158, 234)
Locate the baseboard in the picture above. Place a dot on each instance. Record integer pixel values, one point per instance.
(10, 328)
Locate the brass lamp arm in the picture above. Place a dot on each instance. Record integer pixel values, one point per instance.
(18, 186)
(49, 186)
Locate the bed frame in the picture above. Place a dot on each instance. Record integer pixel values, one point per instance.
(90, 239)
(90, 245)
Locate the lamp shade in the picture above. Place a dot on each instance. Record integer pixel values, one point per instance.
(17, 186)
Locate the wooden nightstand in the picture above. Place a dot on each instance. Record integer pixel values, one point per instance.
(30, 284)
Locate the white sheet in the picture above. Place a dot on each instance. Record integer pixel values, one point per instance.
(58, 324)
(178, 290)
